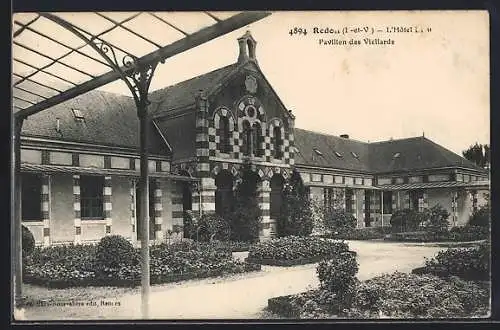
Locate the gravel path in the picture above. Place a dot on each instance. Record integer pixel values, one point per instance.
(239, 296)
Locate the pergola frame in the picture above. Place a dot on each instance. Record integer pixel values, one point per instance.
(136, 72)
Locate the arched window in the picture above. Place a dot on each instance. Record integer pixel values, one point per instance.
(224, 135)
(247, 138)
(257, 139)
(278, 142)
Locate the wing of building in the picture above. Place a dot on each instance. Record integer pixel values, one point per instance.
(80, 161)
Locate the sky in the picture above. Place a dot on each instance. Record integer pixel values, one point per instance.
(434, 83)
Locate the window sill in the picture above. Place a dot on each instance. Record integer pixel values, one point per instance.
(32, 222)
(93, 221)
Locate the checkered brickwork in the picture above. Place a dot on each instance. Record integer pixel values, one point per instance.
(375, 202)
(473, 197)
(394, 201)
(264, 200)
(177, 208)
(454, 206)
(286, 139)
(158, 208)
(107, 204)
(406, 199)
(76, 208)
(132, 208)
(215, 133)
(46, 209)
(266, 145)
(354, 209)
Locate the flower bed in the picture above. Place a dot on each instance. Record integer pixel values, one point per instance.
(292, 250)
(396, 295)
(66, 266)
(361, 234)
(455, 234)
(285, 263)
(472, 263)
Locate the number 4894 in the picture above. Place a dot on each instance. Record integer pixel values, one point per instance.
(298, 30)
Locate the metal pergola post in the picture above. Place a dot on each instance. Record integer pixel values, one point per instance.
(17, 265)
(144, 77)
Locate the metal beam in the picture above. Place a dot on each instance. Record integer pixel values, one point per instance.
(76, 50)
(204, 35)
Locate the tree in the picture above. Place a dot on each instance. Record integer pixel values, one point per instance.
(246, 215)
(406, 220)
(482, 217)
(296, 216)
(478, 154)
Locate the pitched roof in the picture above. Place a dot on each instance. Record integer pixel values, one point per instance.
(413, 154)
(109, 119)
(183, 93)
(416, 153)
(317, 149)
(180, 132)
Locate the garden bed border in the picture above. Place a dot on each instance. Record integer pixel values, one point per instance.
(284, 262)
(102, 281)
(281, 306)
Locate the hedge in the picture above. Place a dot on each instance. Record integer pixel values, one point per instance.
(295, 249)
(455, 234)
(361, 233)
(77, 265)
(471, 263)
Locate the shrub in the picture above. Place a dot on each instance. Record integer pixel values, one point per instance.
(296, 214)
(401, 295)
(481, 218)
(471, 263)
(246, 216)
(396, 295)
(338, 276)
(338, 220)
(28, 241)
(362, 233)
(436, 219)
(190, 225)
(417, 236)
(406, 220)
(469, 233)
(213, 227)
(71, 264)
(455, 234)
(294, 247)
(66, 266)
(114, 251)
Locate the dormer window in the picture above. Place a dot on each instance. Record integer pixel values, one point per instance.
(396, 155)
(338, 154)
(355, 155)
(317, 151)
(78, 114)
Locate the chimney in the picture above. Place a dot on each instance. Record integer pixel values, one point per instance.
(344, 136)
(247, 46)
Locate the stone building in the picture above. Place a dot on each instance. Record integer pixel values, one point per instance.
(80, 161)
